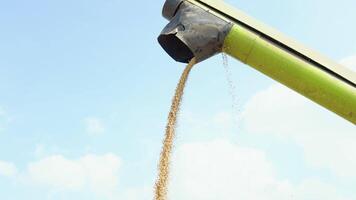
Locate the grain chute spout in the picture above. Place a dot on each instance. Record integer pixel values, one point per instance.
(192, 32)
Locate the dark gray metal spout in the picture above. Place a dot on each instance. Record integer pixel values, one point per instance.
(191, 32)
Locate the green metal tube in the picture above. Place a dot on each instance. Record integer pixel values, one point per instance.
(292, 71)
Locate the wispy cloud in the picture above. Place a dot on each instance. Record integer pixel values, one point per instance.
(349, 62)
(194, 126)
(94, 126)
(328, 141)
(97, 172)
(7, 169)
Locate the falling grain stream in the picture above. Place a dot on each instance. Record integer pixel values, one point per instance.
(161, 186)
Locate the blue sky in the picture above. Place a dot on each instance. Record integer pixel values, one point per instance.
(85, 89)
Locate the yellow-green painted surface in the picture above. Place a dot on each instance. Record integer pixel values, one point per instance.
(297, 74)
(231, 14)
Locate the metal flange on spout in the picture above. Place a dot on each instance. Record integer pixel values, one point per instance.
(192, 32)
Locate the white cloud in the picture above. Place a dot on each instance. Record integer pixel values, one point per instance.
(328, 141)
(312, 189)
(222, 170)
(349, 62)
(94, 126)
(7, 169)
(142, 193)
(39, 150)
(99, 173)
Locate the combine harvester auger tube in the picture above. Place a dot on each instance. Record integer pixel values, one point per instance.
(203, 28)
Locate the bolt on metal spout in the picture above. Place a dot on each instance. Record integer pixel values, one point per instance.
(192, 32)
